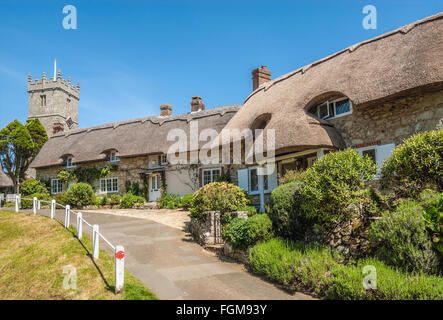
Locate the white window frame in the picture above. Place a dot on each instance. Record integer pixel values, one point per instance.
(378, 161)
(113, 157)
(211, 170)
(164, 159)
(155, 186)
(58, 186)
(333, 102)
(266, 190)
(69, 163)
(108, 181)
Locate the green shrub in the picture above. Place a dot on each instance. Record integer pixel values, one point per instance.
(169, 201)
(115, 199)
(251, 210)
(346, 282)
(33, 186)
(224, 178)
(218, 196)
(27, 204)
(416, 164)
(295, 265)
(329, 186)
(186, 200)
(242, 233)
(61, 198)
(101, 201)
(400, 239)
(292, 176)
(130, 201)
(432, 203)
(287, 218)
(80, 194)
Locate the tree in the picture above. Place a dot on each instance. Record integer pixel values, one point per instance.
(19, 144)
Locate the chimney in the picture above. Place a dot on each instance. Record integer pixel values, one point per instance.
(197, 104)
(165, 110)
(260, 76)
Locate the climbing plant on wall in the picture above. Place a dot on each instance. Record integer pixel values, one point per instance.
(87, 175)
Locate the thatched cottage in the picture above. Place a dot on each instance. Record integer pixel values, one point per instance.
(6, 185)
(370, 96)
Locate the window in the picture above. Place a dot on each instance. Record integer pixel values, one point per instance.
(332, 109)
(56, 186)
(69, 163)
(153, 163)
(210, 175)
(164, 159)
(113, 157)
(109, 185)
(155, 182)
(370, 153)
(43, 100)
(377, 153)
(253, 180)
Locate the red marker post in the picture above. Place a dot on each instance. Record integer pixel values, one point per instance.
(119, 268)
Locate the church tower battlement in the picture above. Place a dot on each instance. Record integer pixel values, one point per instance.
(54, 102)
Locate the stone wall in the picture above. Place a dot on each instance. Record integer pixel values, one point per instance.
(392, 121)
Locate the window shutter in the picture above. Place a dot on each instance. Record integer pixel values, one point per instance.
(272, 178)
(382, 152)
(242, 176)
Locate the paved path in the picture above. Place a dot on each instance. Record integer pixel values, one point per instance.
(173, 266)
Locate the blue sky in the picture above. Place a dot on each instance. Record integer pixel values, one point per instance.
(132, 56)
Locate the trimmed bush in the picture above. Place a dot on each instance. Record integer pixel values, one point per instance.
(115, 199)
(287, 218)
(27, 204)
(101, 201)
(130, 201)
(432, 203)
(330, 185)
(169, 201)
(400, 239)
(33, 186)
(80, 194)
(250, 210)
(218, 196)
(242, 233)
(61, 198)
(416, 164)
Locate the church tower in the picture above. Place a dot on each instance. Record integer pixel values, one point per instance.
(54, 102)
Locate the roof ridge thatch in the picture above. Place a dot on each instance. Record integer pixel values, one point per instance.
(5, 180)
(404, 30)
(156, 119)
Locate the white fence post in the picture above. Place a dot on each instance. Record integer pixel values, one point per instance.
(52, 208)
(79, 225)
(38, 204)
(119, 268)
(34, 205)
(16, 202)
(67, 216)
(95, 241)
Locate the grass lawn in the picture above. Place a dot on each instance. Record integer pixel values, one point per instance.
(34, 250)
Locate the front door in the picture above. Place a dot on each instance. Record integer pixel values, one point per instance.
(154, 187)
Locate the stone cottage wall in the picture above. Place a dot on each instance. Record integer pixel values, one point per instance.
(392, 121)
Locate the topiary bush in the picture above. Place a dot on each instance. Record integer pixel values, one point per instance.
(330, 185)
(400, 239)
(218, 196)
(415, 165)
(242, 233)
(116, 199)
(33, 186)
(130, 201)
(80, 194)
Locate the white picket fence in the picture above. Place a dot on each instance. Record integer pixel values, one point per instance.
(119, 251)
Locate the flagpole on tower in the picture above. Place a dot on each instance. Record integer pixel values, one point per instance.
(55, 69)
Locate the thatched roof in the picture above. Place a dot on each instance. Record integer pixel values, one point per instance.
(5, 181)
(407, 58)
(130, 138)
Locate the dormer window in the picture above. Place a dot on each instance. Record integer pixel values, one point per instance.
(164, 159)
(332, 109)
(69, 163)
(113, 157)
